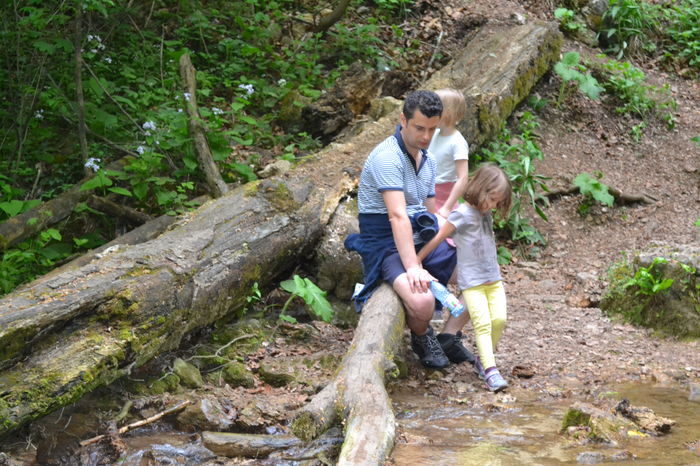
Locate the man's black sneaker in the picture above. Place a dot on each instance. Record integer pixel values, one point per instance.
(429, 350)
(454, 349)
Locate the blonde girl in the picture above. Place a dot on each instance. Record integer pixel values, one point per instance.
(478, 274)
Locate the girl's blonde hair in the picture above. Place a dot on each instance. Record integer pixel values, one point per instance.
(453, 105)
(488, 178)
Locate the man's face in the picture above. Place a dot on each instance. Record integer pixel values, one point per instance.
(418, 131)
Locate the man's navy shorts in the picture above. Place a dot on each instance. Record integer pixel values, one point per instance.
(440, 264)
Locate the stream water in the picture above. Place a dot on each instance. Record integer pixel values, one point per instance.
(519, 429)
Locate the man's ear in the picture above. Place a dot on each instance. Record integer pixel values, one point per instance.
(403, 120)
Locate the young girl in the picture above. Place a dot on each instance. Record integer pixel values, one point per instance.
(478, 273)
(451, 152)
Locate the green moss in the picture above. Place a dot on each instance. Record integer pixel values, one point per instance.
(279, 195)
(251, 189)
(139, 272)
(13, 344)
(673, 311)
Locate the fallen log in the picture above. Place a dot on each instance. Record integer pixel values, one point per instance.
(27, 224)
(620, 197)
(120, 211)
(66, 334)
(357, 394)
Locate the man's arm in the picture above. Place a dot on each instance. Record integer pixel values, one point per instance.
(418, 278)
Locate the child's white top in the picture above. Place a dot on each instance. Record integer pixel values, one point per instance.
(477, 262)
(446, 150)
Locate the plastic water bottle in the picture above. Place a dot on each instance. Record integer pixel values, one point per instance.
(447, 299)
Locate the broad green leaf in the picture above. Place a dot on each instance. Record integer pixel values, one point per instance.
(122, 191)
(12, 208)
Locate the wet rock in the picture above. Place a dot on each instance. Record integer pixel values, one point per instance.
(644, 418)
(250, 418)
(238, 375)
(207, 414)
(276, 375)
(590, 457)
(604, 426)
(694, 391)
(189, 375)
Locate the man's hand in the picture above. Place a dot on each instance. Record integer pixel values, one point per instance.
(418, 279)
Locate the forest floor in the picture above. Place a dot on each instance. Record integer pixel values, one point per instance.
(555, 329)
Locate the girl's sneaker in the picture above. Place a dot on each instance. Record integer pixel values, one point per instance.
(494, 381)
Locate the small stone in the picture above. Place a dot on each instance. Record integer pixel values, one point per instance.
(694, 394)
(189, 374)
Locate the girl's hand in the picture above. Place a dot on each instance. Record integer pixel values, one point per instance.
(443, 212)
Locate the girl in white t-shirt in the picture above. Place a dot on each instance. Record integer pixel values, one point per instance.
(451, 152)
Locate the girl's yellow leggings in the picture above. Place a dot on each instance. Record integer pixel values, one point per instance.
(487, 308)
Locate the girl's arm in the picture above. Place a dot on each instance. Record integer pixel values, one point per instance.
(462, 168)
(445, 230)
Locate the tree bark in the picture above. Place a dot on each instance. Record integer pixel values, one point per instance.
(358, 393)
(217, 186)
(66, 334)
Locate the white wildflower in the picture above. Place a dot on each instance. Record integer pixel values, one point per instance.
(187, 96)
(107, 59)
(248, 88)
(140, 150)
(216, 111)
(179, 110)
(39, 114)
(149, 125)
(92, 164)
(282, 82)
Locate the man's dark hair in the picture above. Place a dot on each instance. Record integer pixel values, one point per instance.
(428, 102)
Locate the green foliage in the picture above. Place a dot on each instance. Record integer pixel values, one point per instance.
(648, 281)
(516, 156)
(671, 29)
(567, 22)
(628, 22)
(593, 190)
(313, 296)
(696, 140)
(628, 85)
(394, 6)
(574, 75)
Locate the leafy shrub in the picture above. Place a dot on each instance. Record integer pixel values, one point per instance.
(628, 85)
(574, 75)
(593, 190)
(313, 296)
(567, 23)
(516, 156)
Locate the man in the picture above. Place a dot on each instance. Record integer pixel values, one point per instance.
(396, 185)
